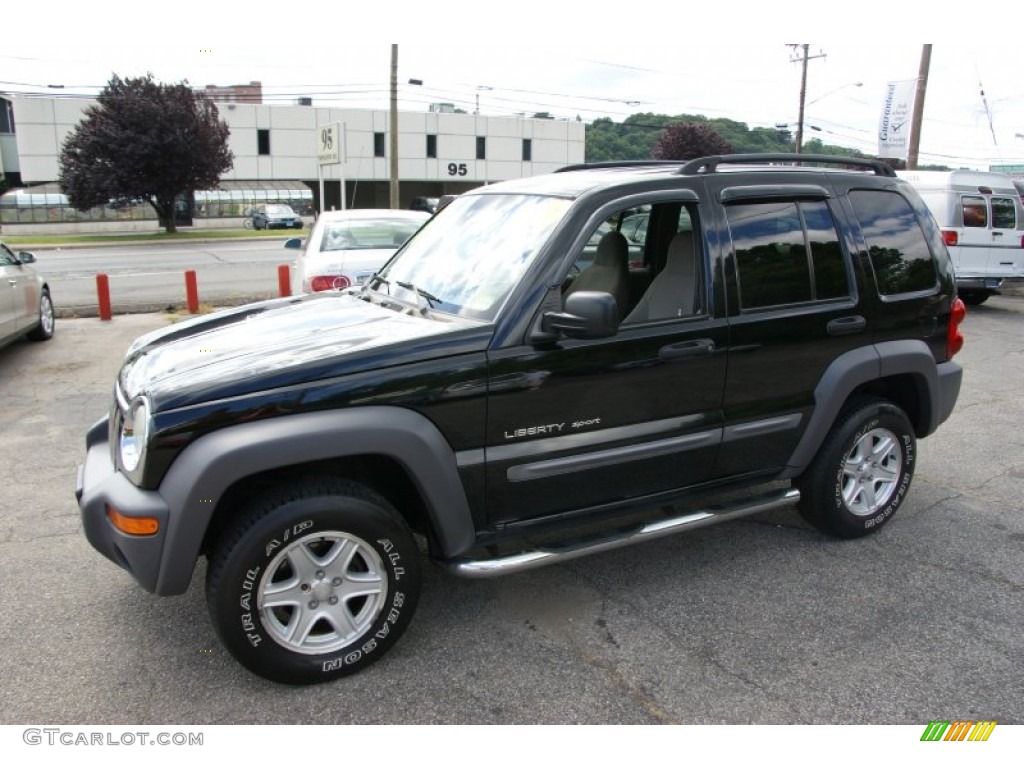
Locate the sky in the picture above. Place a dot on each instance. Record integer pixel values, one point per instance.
(572, 60)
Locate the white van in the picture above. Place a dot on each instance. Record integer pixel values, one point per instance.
(982, 222)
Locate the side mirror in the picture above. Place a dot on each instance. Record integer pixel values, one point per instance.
(26, 258)
(293, 242)
(586, 315)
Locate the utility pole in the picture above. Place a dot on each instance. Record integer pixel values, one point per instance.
(803, 58)
(918, 116)
(394, 126)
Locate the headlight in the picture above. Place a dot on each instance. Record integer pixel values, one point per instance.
(133, 437)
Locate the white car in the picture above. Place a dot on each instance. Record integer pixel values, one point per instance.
(345, 248)
(25, 305)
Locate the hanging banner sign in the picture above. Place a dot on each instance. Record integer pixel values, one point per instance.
(894, 124)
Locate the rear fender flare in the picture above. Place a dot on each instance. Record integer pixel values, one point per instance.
(859, 367)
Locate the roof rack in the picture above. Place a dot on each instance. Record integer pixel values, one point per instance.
(710, 164)
(617, 164)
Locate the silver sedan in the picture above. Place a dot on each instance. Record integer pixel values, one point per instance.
(25, 305)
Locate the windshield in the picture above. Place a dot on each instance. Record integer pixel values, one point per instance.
(357, 234)
(470, 255)
(280, 210)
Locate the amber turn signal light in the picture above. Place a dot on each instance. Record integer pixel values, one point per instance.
(135, 526)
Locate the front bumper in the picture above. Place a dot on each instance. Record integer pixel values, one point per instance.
(101, 487)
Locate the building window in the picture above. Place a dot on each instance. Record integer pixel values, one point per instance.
(431, 145)
(6, 116)
(263, 141)
(527, 150)
(481, 147)
(378, 145)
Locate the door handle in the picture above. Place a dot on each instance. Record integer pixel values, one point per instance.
(695, 348)
(997, 234)
(845, 326)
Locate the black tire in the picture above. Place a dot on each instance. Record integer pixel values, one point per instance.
(347, 557)
(862, 472)
(974, 298)
(47, 322)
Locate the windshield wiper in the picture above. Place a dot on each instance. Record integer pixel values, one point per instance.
(376, 278)
(431, 298)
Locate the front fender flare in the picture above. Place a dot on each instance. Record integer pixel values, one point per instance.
(206, 469)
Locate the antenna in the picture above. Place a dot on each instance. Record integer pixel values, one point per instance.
(988, 112)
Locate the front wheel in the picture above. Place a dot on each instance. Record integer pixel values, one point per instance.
(247, 222)
(314, 581)
(44, 331)
(862, 472)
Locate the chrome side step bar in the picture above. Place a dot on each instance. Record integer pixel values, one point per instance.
(524, 561)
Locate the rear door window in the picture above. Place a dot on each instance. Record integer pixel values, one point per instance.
(787, 252)
(1004, 213)
(7, 257)
(975, 211)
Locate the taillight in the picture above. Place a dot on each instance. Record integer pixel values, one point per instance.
(955, 339)
(329, 283)
(949, 237)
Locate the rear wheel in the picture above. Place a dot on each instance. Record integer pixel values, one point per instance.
(863, 471)
(314, 581)
(974, 298)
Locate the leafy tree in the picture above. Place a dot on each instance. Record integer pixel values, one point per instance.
(145, 140)
(685, 141)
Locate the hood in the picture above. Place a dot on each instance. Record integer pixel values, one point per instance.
(284, 342)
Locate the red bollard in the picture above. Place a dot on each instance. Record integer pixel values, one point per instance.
(103, 296)
(191, 291)
(284, 280)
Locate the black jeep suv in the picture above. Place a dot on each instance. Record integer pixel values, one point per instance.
(521, 384)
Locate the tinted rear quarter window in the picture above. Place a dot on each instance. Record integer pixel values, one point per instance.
(897, 245)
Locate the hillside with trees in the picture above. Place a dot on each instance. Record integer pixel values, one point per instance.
(637, 137)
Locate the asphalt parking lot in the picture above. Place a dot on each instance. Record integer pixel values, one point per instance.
(761, 620)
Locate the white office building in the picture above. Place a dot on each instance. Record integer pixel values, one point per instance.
(278, 159)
